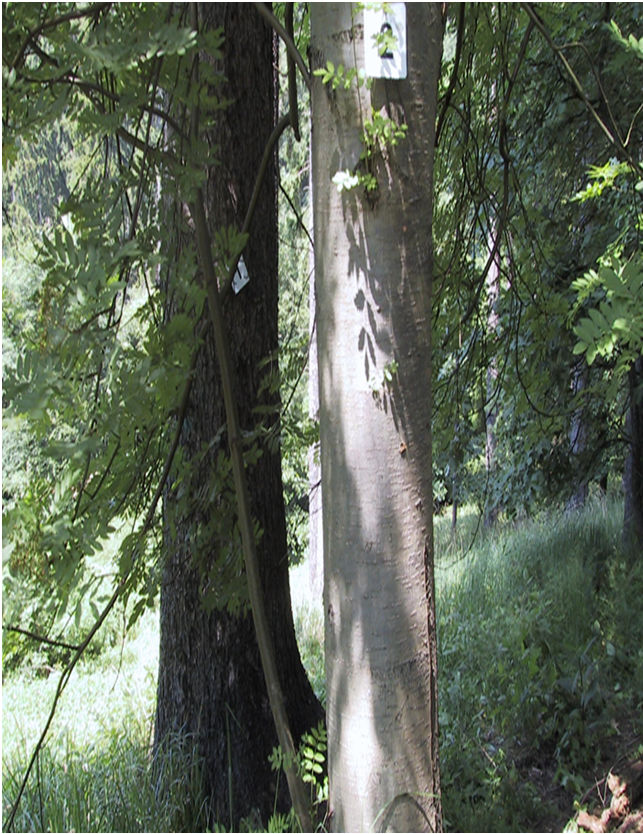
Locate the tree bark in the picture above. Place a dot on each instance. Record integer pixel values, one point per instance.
(211, 684)
(492, 507)
(373, 273)
(633, 472)
(315, 500)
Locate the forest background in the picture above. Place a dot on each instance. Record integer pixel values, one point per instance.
(537, 412)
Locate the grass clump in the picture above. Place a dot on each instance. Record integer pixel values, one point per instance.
(113, 784)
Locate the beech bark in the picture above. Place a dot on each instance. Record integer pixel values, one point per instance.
(373, 273)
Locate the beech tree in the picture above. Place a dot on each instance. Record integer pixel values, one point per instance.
(372, 156)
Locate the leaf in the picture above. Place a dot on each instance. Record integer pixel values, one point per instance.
(610, 280)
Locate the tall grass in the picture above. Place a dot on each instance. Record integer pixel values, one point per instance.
(91, 774)
(540, 662)
(113, 783)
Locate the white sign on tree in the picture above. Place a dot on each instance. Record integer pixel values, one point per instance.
(385, 41)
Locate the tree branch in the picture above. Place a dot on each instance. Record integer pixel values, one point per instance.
(615, 141)
(40, 638)
(265, 12)
(87, 11)
(283, 123)
(255, 589)
(454, 74)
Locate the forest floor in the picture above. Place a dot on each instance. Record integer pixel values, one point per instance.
(612, 803)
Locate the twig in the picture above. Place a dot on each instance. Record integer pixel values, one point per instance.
(40, 638)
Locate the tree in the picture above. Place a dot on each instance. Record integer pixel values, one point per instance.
(372, 149)
(141, 408)
(211, 682)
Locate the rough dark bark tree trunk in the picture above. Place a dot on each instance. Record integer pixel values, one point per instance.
(211, 683)
(633, 473)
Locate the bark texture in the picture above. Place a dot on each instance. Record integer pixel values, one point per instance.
(373, 271)
(633, 473)
(211, 683)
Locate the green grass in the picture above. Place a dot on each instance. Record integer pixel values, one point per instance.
(541, 666)
(541, 670)
(98, 744)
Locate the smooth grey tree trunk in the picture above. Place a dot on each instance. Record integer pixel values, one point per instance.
(315, 528)
(373, 265)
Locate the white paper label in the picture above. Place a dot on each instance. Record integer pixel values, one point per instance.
(392, 64)
(241, 277)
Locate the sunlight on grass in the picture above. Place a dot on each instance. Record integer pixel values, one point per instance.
(100, 696)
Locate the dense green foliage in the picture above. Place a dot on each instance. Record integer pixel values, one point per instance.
(518, 141)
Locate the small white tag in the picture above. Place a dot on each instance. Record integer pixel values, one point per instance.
(241, 277)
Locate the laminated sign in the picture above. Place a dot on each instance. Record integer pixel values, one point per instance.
(385, 41)
(241, 277)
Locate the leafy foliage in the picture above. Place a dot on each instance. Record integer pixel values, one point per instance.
(516, 136)
(95, 379)
(617, 322)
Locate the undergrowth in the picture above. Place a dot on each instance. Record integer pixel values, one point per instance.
(541, 667)
(540, 682)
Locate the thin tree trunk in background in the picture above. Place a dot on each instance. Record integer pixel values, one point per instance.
(491, 411)
(373, 273)
(456, 458)
(211, 684)
(578, 439)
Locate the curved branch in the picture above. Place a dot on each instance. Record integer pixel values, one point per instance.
(283, 123)
(454, 74)
(265, 12)
(88, 11)
(40, 638)
(255, 589)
